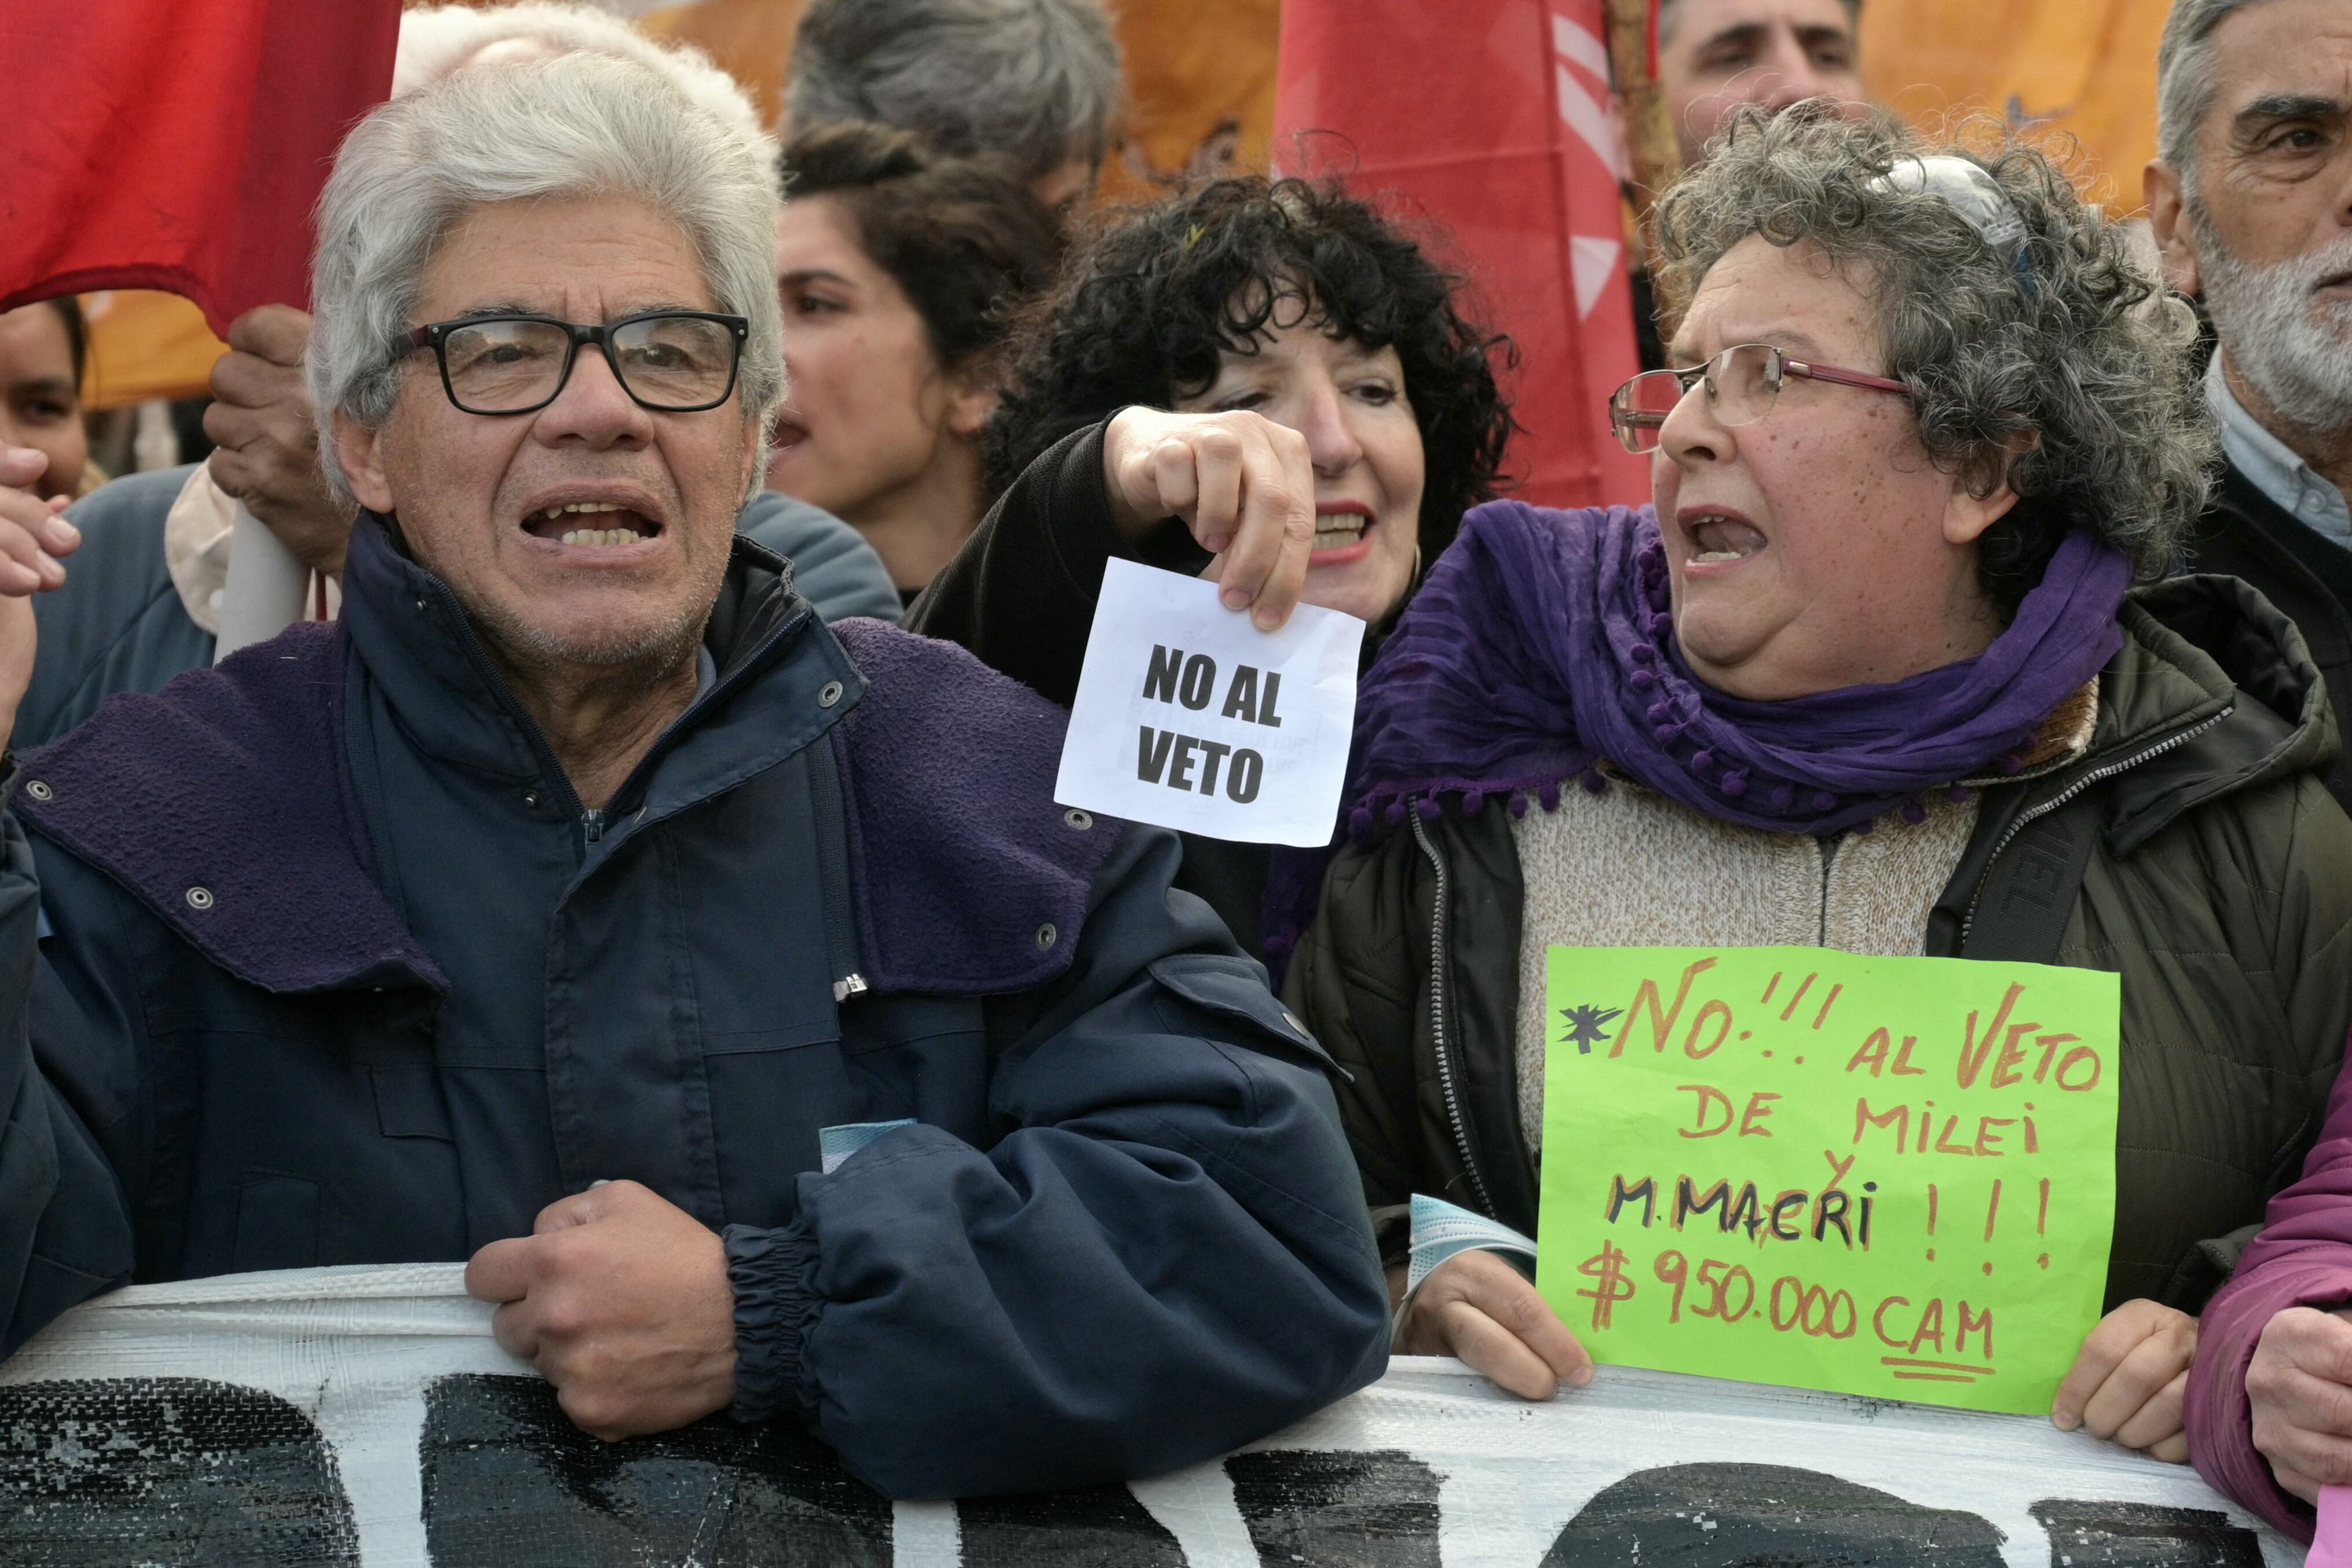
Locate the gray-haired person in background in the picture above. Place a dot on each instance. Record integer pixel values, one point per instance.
(1031, 85)
(2251, 199)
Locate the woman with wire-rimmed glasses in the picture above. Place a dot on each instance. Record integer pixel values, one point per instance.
(1873, 675)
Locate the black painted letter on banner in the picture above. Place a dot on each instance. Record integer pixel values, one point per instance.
(1354, 1509)
(183, 1470)
(1720, 1516)
(510, 1482)
(2144, 1535)
(1099, 1526)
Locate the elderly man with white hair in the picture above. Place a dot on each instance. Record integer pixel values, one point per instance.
(2251, 199)
(725, 987)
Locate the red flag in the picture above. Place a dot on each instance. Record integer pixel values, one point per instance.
(1492, 117)
(178, 146)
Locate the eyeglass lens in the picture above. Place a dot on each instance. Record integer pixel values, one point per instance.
(1742, 383)
(675, 362)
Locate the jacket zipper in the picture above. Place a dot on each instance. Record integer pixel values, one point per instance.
(2096, 775)
(592, 824)
(1437, 1008)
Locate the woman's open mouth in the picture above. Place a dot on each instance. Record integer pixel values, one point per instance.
(1719, 537)
(1341, 535)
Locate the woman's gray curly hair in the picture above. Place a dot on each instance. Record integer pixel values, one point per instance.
(2053, 359)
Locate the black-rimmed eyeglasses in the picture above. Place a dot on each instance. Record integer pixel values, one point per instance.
(671, 361)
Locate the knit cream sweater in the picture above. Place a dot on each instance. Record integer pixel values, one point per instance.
(1630, 868)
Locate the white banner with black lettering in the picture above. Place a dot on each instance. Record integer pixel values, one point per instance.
(1188, 716)
(365, 1417)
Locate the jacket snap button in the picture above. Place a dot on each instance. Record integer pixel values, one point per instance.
(829, 694)
(200, 898)
(38, 791)
(530, 799)
(1292, 1019)
(1045, 935)
(1076, 817)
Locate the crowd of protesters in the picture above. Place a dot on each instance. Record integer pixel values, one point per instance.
(663, 783)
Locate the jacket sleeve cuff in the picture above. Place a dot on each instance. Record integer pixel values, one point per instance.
(775, 1307)
(2221, 1416)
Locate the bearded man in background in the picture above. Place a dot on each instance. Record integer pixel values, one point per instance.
(2250, 198)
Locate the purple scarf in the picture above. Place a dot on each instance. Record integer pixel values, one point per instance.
(1541, 645)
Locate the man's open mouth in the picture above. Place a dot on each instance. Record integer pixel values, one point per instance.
(589, 523)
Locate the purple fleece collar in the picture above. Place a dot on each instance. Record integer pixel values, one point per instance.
(222, 804)
(962, 861)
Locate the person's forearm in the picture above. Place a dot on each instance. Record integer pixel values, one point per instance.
(932, 1368)
(2218, 1412)
(2302, 1256)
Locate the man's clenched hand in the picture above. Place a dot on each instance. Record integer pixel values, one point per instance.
(621, 1300)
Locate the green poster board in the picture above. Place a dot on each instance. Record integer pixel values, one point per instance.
(1890, 1176)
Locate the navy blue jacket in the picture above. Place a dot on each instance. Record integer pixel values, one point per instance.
(334, 969)
(118, 625)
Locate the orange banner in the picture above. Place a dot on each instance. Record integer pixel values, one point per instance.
(142, 345)
(2085, 68)
(1200, 75)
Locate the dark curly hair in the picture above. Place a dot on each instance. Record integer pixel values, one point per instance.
(1146, 306)
(966, 243)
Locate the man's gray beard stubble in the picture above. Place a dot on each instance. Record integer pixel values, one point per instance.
(2296, 350)
(642, 662)
(651, 655)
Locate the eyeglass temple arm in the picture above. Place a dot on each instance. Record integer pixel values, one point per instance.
(1842, 377)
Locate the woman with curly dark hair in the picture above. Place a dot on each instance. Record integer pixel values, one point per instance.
(1335, 353)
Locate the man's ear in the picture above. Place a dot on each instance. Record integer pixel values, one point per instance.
(358, 449)
(1967, 515)
(2167, 218)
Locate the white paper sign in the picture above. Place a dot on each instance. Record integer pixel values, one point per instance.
(1189, 716)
